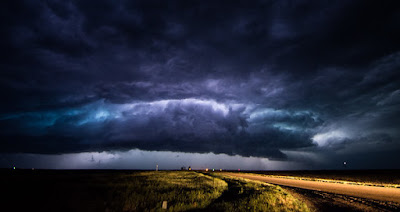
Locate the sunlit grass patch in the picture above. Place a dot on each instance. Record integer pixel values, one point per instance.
(145, 191)
(248, 195)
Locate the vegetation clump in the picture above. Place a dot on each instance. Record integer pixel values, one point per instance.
(145, 191)
(248, 195)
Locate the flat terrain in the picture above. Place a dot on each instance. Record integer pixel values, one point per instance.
(389, 195)
(104, 190)
(364, 176)
(377, 193)
(119, 190)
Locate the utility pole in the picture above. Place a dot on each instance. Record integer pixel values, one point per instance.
(157, 167)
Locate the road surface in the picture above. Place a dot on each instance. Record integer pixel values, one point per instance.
(368, 192)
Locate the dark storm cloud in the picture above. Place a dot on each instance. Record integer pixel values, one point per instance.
(189, 125)
(234, 77)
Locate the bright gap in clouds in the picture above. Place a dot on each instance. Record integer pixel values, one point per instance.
(329, 138)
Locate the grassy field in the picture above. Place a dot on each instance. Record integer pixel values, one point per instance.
(182, 191)
(382, 178)
(49, 190)
(247, 195)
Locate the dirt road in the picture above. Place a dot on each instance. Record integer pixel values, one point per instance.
(367, 192)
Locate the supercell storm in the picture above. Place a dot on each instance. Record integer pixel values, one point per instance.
(283, 80)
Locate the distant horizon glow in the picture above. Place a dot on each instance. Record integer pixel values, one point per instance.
(146, 160)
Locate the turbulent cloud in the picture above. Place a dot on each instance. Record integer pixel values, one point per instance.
(275, 79)
(190, 125)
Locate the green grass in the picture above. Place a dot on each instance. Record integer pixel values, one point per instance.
(248, 195)
(91, 190)
(145, 191)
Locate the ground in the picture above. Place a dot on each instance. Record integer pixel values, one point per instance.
(127, 190)
(97, 190)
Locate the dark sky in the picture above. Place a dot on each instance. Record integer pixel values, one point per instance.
(263, 84)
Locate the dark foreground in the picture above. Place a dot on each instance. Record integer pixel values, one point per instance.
(48, 190)
(119, 190)
(101, 190)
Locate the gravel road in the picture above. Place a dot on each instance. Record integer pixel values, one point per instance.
(324, 195)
